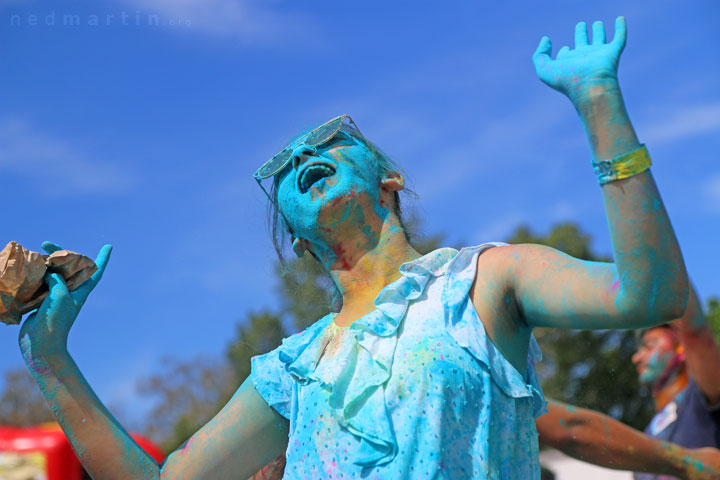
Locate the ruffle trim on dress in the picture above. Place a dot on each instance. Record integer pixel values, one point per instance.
(359, 370)
(464, 325)
(357, 374)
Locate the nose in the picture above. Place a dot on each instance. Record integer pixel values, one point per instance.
(637, 357)
(301, 153)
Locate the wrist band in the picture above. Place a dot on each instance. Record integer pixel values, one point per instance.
(623, 166)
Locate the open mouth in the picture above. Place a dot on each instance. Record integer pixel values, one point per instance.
(313, 173)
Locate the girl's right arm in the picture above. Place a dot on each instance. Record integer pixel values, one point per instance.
(243, 437)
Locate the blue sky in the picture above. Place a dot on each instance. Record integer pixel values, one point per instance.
(117, 130)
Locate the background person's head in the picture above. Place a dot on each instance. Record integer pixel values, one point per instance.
(659, 356)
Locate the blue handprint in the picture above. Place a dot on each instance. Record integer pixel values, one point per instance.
(575, 72)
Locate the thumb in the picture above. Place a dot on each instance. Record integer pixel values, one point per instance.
(542, 53)
(83, 291)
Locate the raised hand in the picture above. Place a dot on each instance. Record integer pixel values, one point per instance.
(575, 72)
(46, 331)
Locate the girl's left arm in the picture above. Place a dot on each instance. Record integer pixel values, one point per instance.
(647, 284)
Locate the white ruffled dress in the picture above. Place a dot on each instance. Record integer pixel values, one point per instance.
(414, 389)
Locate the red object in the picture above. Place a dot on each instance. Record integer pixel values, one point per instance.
(147, 445)
(45, 449)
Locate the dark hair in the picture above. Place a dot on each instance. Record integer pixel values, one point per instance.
(279, 229)
(639, 334)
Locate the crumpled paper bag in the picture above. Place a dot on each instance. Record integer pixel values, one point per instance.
(22, 288)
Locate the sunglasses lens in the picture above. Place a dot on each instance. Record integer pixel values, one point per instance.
(275, 164)
(324, 132)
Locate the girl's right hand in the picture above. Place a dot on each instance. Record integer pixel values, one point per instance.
(46, 331)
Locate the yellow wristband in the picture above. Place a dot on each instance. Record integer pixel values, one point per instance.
(623, 166)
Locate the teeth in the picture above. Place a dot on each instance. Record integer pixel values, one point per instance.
(313, 174)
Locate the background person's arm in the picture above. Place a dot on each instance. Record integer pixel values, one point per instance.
(647, 283)
(243, 437)
(601, 440)
(702, 356)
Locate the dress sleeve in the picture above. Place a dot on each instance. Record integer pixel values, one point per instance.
(271, 372)
(272, 381)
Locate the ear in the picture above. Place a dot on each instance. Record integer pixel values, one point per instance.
(392, 181)
(680, 351)
(298, 246)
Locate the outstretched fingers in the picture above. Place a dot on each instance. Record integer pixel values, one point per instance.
(81, 293)
(581, 36)
(620, 33)
(598, 35)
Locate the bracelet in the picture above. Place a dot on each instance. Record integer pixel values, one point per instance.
(623, 166)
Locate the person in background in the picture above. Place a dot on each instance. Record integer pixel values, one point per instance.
(679, 363)
(595, 438)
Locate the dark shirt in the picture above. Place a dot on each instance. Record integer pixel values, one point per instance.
(687, 421)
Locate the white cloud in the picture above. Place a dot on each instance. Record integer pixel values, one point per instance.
(241, 19)
(54, 164)
(499, 143)
(684, 122)
(711, 189)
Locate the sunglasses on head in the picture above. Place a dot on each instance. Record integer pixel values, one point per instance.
(314, 138)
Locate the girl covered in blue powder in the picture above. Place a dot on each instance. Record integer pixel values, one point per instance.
(428, 369)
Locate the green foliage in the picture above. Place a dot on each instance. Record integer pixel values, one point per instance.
(592, 369)
(713, 317)
(566, 237)
(258, 334)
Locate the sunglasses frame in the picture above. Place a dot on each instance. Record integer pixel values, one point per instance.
(303, 139)
(259, 178)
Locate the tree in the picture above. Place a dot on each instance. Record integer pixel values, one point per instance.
(188, 394)
(592, 369)
(21, 402)
(566, 237)
(258, 334)
(713, 316)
